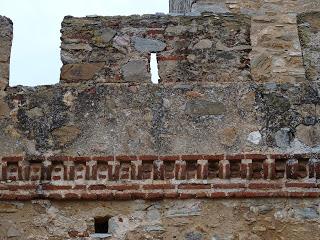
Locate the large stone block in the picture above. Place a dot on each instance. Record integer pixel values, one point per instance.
(309, 31)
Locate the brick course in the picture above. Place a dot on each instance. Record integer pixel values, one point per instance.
(146, 179)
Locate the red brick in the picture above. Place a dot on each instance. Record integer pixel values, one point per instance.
(169, 158)
(171, 195)
(194, 186)
(12, 159)
(265, 185)
(55, 187)
(97, 187)
(7, 197)
(138, 195)
(201, 195)
(148, 157)
(80, 159)
(213, 157)
(296, 194)
(71, 196)
(122, 196)
(158, 186)
(105, 196)
(238, 157)
(24, 197)
(58, 158)
(300, 185)
(187, 195)
(80, 187)
(73, 234)
(228, 185)
(55, 196)
(218, 195)
(126, 158)
(123, 187)
(255, 194)
(154, 196)
(103, 158)
(312, 194)
(56, 178)
(88, 196)
(280, 156)
(21, 187)
(191, 157)
(256, 156)
(4, 187)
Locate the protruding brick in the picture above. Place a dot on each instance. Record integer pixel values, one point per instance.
(224, 169)
(269, 169)
(246, 169)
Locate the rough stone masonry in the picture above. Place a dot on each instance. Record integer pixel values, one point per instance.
(226, 146)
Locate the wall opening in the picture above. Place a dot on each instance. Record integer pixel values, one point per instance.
(154, 68)
(101, 225)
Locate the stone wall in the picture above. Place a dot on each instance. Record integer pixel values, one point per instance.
(117, 49)
(253, 219)
(276, 53)
(6, 32)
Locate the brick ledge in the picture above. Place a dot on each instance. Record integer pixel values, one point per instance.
(159, 177)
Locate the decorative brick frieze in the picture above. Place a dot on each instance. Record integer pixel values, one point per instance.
(159, 177)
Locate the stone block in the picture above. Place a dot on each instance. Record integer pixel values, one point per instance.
(80, 72)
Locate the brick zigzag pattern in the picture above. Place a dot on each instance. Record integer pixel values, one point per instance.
(159, 177)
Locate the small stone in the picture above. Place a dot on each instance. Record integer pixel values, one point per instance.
(136, 71)
(306, 213)
(80, 72)
(146, 45)
(203, 44)
(255, 137)
(108, 34)
(184, 209)
(309, 121)
(193, 236)
(76, 46)
(259, 229)
(200, 108)
(8, 208)
(229, 136)
(283, 137)
(309, 135)
(176, 30)
(13, 232)
(66, 134)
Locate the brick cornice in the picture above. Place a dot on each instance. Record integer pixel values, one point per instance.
(158, 177)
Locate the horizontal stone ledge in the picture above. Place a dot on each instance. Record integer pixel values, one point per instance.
(188, 157)
(107, 195)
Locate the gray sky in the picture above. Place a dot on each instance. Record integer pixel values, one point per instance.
(35, 58)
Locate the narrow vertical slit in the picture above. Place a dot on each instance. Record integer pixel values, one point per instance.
(154, 68)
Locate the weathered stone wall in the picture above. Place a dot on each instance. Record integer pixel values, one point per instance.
(276, 53)
(117, 49)
(170, 219)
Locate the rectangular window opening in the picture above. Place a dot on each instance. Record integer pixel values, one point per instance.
(101, 225)
(154, 68)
